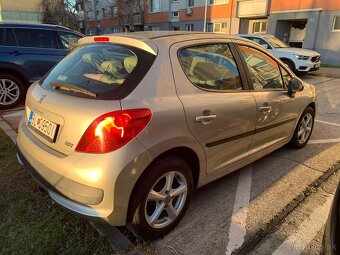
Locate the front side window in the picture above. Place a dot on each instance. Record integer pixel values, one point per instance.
(36, 38)
(211, 67)
(276, 43)
(336, 24)
(98, 70)
(259, 41)
(264, 70)
(69, 40)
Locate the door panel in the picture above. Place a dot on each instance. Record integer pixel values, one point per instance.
(277, 113)
(220, 115)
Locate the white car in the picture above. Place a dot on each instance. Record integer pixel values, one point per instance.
(299, 60)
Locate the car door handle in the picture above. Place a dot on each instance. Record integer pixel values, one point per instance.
(265, 108)
(206, 118)
(15, 53)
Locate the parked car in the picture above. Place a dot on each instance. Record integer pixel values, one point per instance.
(27, 52)
(331, 242)
(127, 126)
(299, 60)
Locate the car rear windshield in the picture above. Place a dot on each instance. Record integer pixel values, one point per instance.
(99, 71)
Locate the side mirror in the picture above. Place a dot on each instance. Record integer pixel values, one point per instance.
(294, 86)
(266, 46)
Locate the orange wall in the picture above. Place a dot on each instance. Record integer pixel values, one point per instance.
(285, 5)
(157, 17)
(213, 12)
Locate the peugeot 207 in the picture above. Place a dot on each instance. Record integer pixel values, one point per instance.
(128, 125)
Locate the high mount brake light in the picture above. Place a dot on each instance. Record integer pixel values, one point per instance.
(102, 39)
(113, 130)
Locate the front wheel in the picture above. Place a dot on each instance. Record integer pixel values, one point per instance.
(303, 129)
(161, 198)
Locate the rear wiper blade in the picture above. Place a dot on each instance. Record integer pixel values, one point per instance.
(72, 88)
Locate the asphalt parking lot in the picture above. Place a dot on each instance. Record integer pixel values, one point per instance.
(249, 211)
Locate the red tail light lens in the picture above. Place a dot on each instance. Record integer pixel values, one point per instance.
(113, 130)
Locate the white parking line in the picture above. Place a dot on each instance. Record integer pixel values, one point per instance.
(14, 114)
(237, 230)
(8, 130)
(298, 241)
(336, 140)
(329, 123)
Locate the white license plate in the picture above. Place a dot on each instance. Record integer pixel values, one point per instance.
(43, 126)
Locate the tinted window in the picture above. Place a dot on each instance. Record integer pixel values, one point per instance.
(36, 38)
(1, 36)
(263, 69)
(68, 40)
(211, 67)
(10, 38)
(96, 70)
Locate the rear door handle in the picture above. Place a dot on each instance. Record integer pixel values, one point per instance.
(265, 108)
(206, 119)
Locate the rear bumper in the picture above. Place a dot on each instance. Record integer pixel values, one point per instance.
(57, 196)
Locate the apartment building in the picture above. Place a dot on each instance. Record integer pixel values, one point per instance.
(20, 11)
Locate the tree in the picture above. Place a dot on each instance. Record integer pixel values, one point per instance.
(60, 12)
(127, 11)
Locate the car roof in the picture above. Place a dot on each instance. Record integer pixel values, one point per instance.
(34, 25)
(255, 35)
(146, 39)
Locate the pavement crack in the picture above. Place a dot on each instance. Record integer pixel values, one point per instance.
(253, 240)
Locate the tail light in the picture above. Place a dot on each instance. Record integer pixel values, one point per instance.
(113, 130)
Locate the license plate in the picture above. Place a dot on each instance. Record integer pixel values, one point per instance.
(45, 127)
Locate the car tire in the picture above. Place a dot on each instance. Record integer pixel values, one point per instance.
(290, 64)
(12, 91)
(303, 129)
(152, 197)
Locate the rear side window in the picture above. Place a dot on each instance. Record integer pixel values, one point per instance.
(211, 67)
(100, 71)
(68, 40)
(36, 38)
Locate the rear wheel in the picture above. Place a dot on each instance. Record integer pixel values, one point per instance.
(161, 198)
(303, 129)
(12, 91)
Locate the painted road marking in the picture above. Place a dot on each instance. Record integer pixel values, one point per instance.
(14, 114)
(296, 243)
(237, 230)
(329, 123)
(336, 140)
(8, 130)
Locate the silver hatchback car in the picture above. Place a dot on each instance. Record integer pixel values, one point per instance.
(128, 125)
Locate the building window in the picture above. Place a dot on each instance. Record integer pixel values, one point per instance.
(114, 30)
(155, 28)
(191, 3)
(218, 1)
(175, 14)
(103, 10)
(155, 5)
(336, 23)
(114, 11)
(189, 27)
(217, 27)
(259, 27)
(175, 1)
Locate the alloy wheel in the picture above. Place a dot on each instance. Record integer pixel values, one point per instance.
(9, 92)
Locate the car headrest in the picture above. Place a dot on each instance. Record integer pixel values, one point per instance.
(130, 63)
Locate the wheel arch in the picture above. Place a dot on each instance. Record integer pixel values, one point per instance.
(15, 71)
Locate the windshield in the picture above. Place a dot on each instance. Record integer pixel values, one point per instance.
(276, 43)
(99, 70)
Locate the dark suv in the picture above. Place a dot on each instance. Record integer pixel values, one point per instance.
(27, 52)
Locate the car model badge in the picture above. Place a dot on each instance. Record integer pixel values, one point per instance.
(42, 98)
